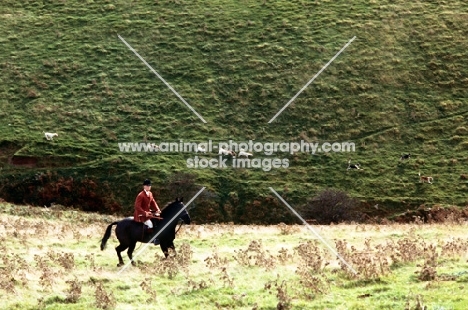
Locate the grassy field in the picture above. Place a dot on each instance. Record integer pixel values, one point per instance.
(400, 87)
(50, 259)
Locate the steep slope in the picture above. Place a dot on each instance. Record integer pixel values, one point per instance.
(399, 87)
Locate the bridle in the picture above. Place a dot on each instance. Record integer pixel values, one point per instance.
(180, 225)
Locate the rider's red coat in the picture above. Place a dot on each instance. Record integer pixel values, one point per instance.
(143, 204)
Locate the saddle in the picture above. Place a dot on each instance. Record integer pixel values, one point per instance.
(148, 231)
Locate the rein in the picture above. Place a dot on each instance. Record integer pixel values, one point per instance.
(180, 225)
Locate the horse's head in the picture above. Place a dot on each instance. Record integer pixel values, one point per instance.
(171, 209)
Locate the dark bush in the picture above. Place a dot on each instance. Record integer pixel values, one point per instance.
(182, 185)
(332, 206)
(266, 211)
(45, 189)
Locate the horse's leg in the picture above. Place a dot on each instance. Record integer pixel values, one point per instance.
(119, 249)
(172, 246)
(131, 248)
(164, 248)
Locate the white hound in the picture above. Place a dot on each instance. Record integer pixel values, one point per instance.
(50, 135)
(242, 153)
(226, 152)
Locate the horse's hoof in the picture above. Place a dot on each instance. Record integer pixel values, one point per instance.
(119, 264)
(133, 263)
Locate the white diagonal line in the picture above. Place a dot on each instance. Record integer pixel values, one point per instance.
(311, 80)
(162, 229)
(313, 230)
(160, 77)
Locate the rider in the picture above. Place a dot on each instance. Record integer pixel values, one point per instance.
(144, 203)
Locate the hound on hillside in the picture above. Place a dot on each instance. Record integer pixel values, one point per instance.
(201, 149)
(226, 152)
(405, 156)
(50, 135)
(155, 147)
(353, 166)
(243, 153)
(424, 179)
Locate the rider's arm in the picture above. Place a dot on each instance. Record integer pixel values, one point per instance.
(154, 205)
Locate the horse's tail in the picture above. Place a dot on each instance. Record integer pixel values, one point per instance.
(107, 235)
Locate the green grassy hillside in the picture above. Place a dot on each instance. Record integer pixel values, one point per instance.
(400, 87)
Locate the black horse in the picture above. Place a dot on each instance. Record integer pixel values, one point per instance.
(129, 232)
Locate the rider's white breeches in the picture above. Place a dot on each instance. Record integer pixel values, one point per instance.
(149, 224)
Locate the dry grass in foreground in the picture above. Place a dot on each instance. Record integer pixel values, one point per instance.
(50, 259)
